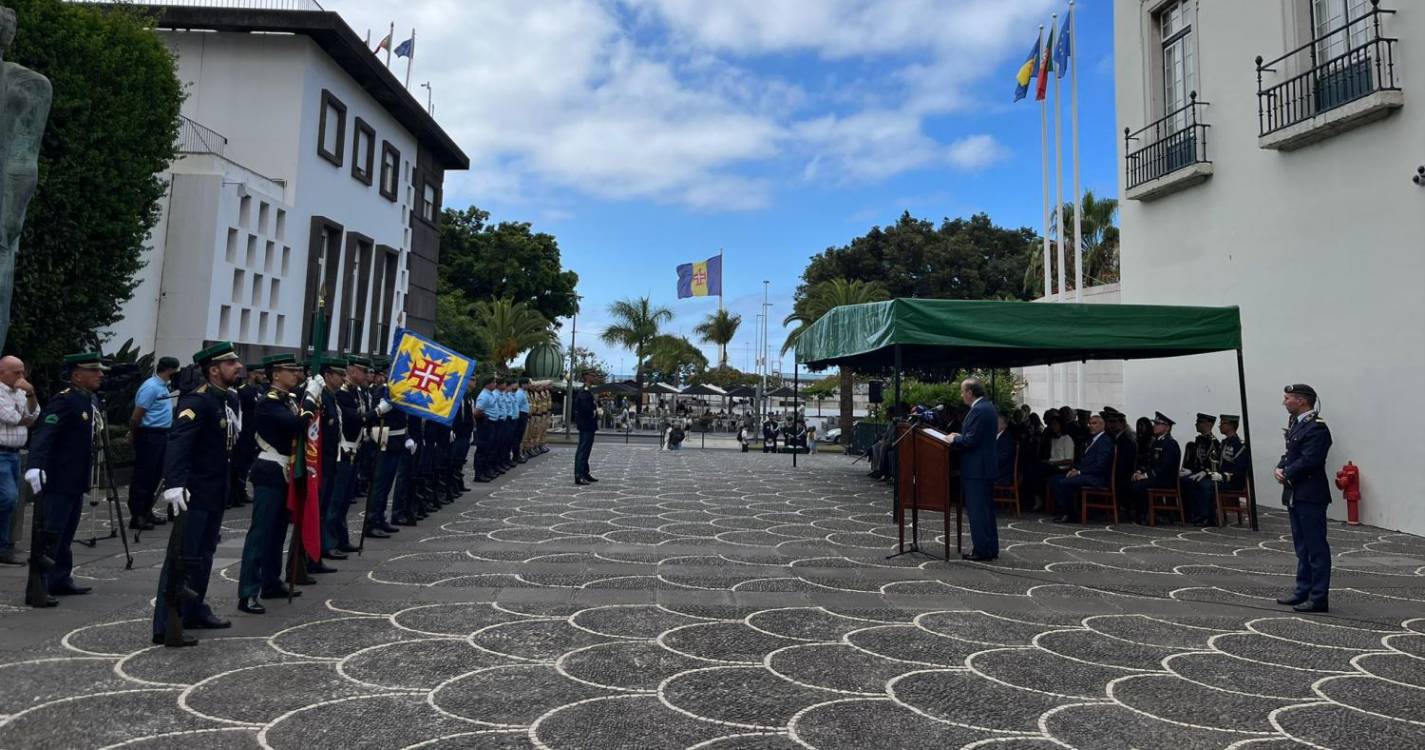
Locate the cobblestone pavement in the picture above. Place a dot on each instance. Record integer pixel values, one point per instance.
(720, 600)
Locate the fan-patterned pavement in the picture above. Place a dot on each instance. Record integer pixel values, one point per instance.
(711, 599)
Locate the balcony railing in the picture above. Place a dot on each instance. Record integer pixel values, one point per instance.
(197, 139)
(1324, 85)
(1174, 142)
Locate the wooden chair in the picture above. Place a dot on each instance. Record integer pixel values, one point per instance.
(1169, 500)
(1009, 494)
(1093, 498)
(1240, 503)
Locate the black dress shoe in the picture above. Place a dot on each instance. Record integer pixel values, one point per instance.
(307, 581)
(348, 548)
(48, 601)
(978, 558)
(1313, 605)
(375, 533)
(251, 605)
(319, 567)
(333, 554)
(589, 478)
(207, 621)
(389, 529)
(70, 590)
(580, 482)
(280, 594)
(1065, 519)
(187, 640)
(404, 520)
(157, 520)
(1293, 600)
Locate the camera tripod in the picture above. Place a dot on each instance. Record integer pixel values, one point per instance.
(104, 474)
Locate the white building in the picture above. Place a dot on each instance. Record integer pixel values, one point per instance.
(306, 169)
(1102, 378)
(1289, 193)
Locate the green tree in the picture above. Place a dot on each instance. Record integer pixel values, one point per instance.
(505, 260)
(725, 378)
(820, 300)
(719, 328)
(674, 359)
(636, 323)
(586, 359)
(1100, 248)
(510, 327)
(112, 131)
(457, 326)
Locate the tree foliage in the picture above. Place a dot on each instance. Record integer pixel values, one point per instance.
(456, 326)
(719, 328)
(1100, 248)
(959, 259)
(818, 301)
(636, 324)
(112, 130)
(725, 378)
(504, 261)
(510, 327)
(674, 359)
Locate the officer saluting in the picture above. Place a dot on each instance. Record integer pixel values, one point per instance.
(196, 465)
(278, 420)
(1306, 493)
(58, 472)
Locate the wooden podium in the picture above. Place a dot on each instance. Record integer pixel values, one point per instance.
(927, 478)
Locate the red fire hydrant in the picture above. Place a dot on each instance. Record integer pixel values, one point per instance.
(1348, 480)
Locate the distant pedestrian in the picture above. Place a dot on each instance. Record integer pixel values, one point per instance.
(18, 409)
(586, 419)
(149, 426)
(1306, 493)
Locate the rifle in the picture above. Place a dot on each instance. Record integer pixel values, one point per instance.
(177, 590)
(40, 560)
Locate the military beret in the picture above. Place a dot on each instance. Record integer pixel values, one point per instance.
(1208, 418)
(1303, 390)
(84, 361)
(219, 352)
(1162, 418)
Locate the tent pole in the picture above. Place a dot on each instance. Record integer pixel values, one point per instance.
(896, 474)
(796, 398)
(1247, 433)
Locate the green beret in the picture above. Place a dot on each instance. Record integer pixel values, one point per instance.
(219, 352)
(84, 361)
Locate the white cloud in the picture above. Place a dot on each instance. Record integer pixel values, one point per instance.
(976, 152)
(665, 100)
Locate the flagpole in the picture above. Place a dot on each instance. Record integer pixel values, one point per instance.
(411, 58)
(390, 40)
(1059, 182)
(722, 277)
(1044, 161)
(1078, 190)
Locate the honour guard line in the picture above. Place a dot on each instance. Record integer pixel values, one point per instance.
(311, 438)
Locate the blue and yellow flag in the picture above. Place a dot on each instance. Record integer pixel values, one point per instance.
(427, 379)
(702, 279)
(1027, 71)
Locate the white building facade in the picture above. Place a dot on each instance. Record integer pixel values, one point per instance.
(1268, 161)
(306, 172)
(1102, 378)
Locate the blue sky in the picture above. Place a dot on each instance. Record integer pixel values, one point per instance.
(649, 133)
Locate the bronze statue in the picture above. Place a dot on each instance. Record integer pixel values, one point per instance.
(26, 97)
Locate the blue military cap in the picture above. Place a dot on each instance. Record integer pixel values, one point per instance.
(1162, 418)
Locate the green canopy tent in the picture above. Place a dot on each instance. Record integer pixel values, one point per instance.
(945, 335)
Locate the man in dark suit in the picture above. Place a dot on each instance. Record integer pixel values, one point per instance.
(587, 421)
(1093, 470)
(1005, 446)
(978, 469)
(1306, 493)
(1162, 469)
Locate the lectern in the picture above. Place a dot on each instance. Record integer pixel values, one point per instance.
(927, 478)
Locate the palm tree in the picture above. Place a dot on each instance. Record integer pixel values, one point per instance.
(675, 357)
(636, 323)
(819, 301)
(510, 327)
(719, 328)
(1100, 248)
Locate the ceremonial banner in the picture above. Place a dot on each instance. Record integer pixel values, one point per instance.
(305, 488)
(427, 379)
(700, 279)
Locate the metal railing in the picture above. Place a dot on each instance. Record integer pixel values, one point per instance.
(1324, 85)
(197, 139)
(1175, 141)
(311, 5)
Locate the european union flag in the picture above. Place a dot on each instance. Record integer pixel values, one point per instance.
(1062, 50)
(406, 48)
(700, 279)
(427, 379)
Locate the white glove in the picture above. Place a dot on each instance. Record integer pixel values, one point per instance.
(314, 389)
(1216, 476)
(36, 478)
(1183, 472)
(177, 499)
(383, 407)
(411, 446)
(1198, 476)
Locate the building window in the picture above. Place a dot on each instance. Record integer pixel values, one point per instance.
(363, 152)
(1179, 59)
(331, 128)
(390, 171)
(429, 201)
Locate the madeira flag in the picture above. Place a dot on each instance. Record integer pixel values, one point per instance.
(427, 379)
(1027, 71)
(701, 279)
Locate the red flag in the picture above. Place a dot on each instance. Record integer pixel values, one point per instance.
(303, 492)
(1046, 66)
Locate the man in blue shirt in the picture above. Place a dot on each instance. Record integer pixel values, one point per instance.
(485, 431)
(149, 425)
(521, 398)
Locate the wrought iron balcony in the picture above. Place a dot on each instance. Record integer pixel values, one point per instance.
(1316, 86)
(197, 139)
(1176, 141)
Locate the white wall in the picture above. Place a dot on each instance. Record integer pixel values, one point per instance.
(1103, 379)
(1322, 248)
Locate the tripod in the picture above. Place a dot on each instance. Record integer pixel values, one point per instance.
(104, 473)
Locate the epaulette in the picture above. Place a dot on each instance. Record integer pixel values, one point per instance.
(275, 395)
(201, 389)
(66, 390)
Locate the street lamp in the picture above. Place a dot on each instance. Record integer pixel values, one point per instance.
(569, 382)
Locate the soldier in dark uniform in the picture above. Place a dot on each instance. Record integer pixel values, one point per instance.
(61, 451)
(585, 414)
(437, 442)
(1162, 469)
(1228, 473)
(245, 452)
(333, 376)
(414, 491)
(279, 419)
(1306, 492)
(336, 539)
(463, 430)
(769, 435)
(1202, 454)
(366, 450)
(393, 452)
(196, 466)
